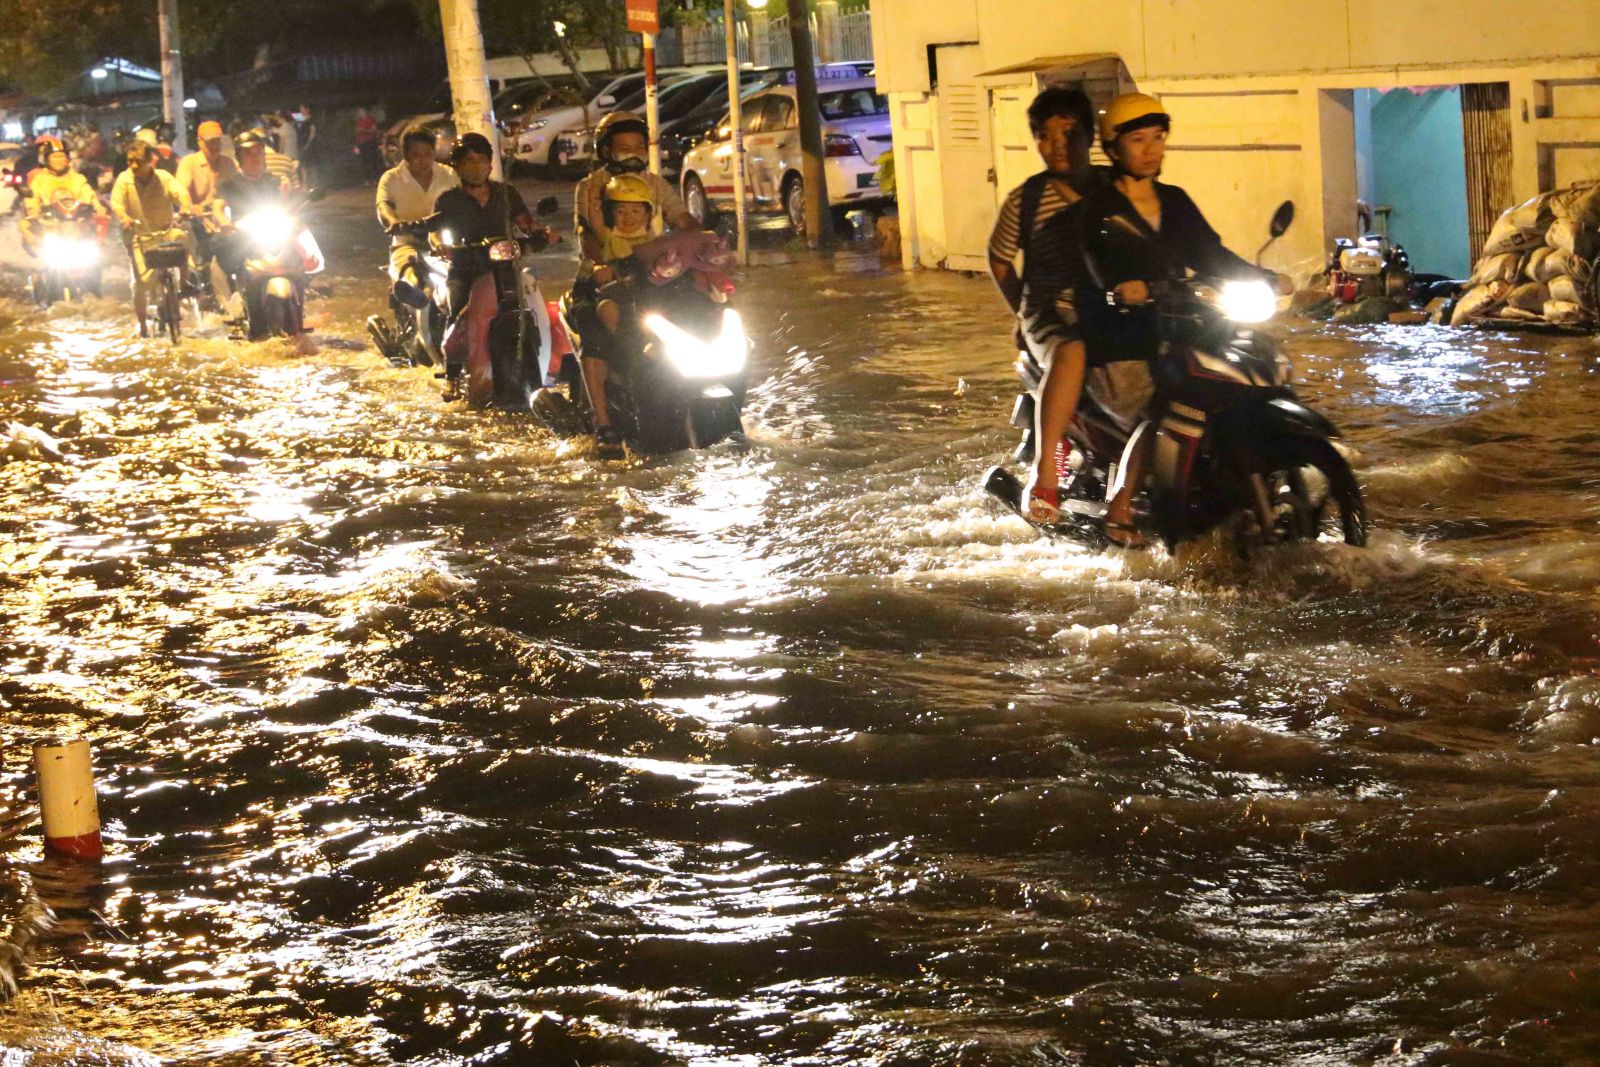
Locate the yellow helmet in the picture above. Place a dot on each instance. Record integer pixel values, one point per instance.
(629, 189)
(1131, 111)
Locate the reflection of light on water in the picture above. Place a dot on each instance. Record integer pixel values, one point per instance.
(696, 552)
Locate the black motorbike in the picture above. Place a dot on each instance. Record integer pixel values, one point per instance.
(679, 380)
(1233, 446)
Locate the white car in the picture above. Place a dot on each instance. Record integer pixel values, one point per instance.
(855, 134)
(536, 142)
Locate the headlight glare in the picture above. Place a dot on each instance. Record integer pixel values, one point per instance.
(1247, 301)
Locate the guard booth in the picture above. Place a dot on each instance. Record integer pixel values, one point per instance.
(985, 147)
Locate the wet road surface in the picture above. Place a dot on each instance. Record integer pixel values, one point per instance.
(426, 737)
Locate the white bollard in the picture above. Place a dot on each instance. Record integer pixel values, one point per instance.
(67, 800)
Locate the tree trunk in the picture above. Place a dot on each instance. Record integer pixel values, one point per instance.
(819, 221)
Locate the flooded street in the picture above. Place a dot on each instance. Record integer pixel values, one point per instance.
(426, 737)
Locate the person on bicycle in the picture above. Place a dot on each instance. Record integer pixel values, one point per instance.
(148, 204)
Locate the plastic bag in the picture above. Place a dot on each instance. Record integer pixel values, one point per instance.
(1581, 204)
(1518, 228)
(1550, 266)
(1478, 302)
(1562, 235)
(1565, 290)
(1562, 312)
(1500, 268)
(1529, 297)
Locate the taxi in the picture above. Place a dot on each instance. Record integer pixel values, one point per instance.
(855, 135)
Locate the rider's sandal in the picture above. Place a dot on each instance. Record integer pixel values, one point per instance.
(1123, 535)
(1044, 503)
(608, 441)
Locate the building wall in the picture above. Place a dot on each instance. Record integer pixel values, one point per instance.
(1259, 90)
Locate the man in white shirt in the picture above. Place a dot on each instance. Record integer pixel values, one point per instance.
(407, 192)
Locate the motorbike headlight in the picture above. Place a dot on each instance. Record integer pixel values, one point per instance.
(67, 253)
(721, 357)
(270, 228)
(502, 251)
(1247, 301)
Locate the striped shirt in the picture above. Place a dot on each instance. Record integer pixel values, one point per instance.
(1053, 259)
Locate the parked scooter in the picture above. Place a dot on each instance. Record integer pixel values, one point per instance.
(1362, 268)
(274, 277)
(681, 379)
(69, 253)
(500, 342)
(1233, 444)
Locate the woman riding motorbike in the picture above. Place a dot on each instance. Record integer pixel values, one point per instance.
(1138, 231)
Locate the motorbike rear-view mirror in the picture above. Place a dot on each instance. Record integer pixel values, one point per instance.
(410, 295)
(316, 195)
(1282, 219)
(548, 206)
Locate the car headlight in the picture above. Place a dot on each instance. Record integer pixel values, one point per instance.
(1247, 301)
(719, 358)
(270, 228)
(501, 251)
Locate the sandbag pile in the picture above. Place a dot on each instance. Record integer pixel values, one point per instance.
(1538, 262)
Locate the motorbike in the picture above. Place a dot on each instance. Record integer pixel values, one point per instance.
(501, 341)
(69, 253)
(14, 181)
(413, 334)
(681, 380)
(1233, 446)
(1365, 267)
(273, 280)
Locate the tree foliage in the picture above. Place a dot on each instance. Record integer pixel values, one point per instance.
(50, 41)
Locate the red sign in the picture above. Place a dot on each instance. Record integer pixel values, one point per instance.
(643, 16)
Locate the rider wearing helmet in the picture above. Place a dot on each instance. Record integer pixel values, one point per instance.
(1139, 230)
(55, 185)
(621, 144)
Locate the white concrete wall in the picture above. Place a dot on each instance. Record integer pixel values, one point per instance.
(1244, 80)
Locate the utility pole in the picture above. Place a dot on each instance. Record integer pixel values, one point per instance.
(737, 123)
(469, 81)
(172, 75)
(819, 220)
(644, 18)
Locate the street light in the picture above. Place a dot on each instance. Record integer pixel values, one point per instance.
(191, 103)
(561, 29)
(755, 5)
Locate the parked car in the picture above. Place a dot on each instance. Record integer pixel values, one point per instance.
(536, 142)
(682, 134)
(514, 104)
(855, 133)
(673, 101)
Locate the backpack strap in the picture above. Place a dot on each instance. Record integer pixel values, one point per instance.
(1032, 194)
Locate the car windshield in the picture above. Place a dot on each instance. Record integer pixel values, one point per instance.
(852, 104)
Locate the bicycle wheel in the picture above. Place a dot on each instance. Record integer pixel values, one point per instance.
(171, 306)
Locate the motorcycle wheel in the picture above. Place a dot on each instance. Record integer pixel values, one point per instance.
(711, 421)
(1341, 508)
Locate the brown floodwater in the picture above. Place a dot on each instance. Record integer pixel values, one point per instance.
(425, 737)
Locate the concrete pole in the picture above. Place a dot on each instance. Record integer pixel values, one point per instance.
(652, 108)
(469, 81)
(172, 75)
(67, 802)
(737, 122)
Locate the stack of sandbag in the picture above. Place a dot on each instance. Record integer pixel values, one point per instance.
(1537, 264)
